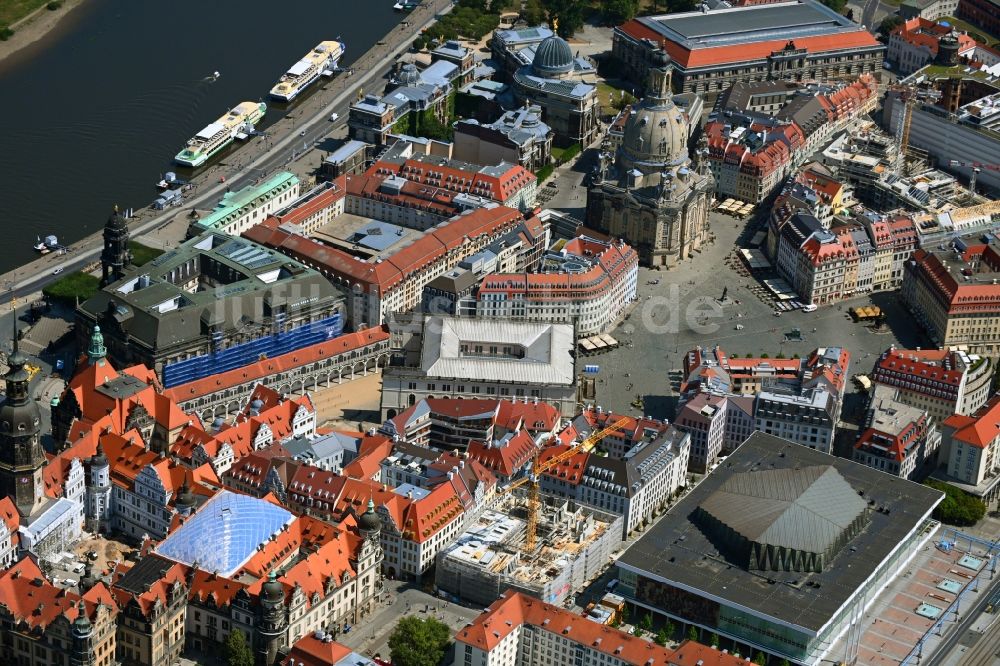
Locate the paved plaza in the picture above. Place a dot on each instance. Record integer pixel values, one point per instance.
(678, 310)
(371, 636)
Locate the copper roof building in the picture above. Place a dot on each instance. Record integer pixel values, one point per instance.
(779, 548)
(212, 304)
(544, 71)
(793, 41)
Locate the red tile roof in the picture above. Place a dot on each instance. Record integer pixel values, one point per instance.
(311, 651)
(962, 299)
(926, 33)
(393, 270)
(722, 55)
(371, 452)
(570, 470)
(922, 369)
(334, 191)
(95, 404)
(30, 598)
(10, 516)
(894, 445)
(515, 610)
(278, 414)
(779, 144)
(507, 456)
(447, 176)
(981, 428)
(614, 261)
(436, 200)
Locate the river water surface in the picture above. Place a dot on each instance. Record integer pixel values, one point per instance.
(93, 114)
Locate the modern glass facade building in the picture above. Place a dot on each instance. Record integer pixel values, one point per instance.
(781, 548)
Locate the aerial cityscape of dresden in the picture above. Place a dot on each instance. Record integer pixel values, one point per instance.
(500, 333)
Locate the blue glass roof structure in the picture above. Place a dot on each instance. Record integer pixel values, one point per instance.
(225, 532)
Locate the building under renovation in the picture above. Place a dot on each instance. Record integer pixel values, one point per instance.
(573, 546)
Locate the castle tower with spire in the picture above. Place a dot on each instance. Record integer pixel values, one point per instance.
(370, 557)
(21, 455)
(116, 256)
(82, 653)
(273, 620)
(67, 409)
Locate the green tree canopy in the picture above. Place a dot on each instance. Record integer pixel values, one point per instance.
(619, 11)
(432, 128)
(661, 637)
(958, 507)
(533, 12)
(570, 14)
(693, 633)
(419, 641)
(889, 24)
(142, 254)
(238, 652)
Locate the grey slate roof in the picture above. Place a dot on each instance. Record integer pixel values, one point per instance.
(742, 25)
(156, 310)
(677, 551)
(804, 509)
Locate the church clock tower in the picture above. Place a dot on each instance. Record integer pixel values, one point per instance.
(116, 256)
(21, 454)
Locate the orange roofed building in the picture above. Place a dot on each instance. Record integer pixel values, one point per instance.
(418, 517)
(955, 296)
(392, 281)
(322, 650)
(268, 418)
(10, 520)
(916, 42)
(323, 364)
(589, 282)
(45, 625)
(797, 40)
(970, 450)
(899, 439)
(115, 429)
(941, 381)
(752, 158)
(455, 423)
(520, 629)
(277, 579)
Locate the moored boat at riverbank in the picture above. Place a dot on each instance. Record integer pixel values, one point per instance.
(322, 60)
(221, 133)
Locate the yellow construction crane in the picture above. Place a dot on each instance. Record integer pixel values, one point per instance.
(908, 95)
(533, 479)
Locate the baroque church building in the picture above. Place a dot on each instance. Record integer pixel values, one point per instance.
(653, 197)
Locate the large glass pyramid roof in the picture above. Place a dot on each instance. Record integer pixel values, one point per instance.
(225, 532)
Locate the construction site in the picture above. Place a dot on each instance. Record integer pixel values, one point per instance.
(573, 544)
